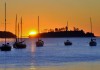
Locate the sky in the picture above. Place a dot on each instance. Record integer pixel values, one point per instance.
(52, 13)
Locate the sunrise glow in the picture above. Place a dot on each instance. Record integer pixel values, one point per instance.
(32, 33)
(53, 14)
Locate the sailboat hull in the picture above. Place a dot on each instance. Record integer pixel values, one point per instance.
(67, 43)
(5, 48)
(39, 44)
(92, 43)
(19, 45)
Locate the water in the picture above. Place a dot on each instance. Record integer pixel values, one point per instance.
(53, 53)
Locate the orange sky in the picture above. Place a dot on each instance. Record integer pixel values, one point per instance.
(53, 13)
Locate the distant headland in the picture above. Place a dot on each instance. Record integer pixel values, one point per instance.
(7, 34)
(64, 32)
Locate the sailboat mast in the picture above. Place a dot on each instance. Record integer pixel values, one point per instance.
(18, 32)
(5, 22)
(91, 26)
(16, 26)
(21, 28)
(67, 28)
(38, 28)
(67, 25)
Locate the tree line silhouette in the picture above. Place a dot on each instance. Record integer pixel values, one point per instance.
(7, 34)
(65, 32)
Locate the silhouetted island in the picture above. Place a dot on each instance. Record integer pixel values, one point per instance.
(8, 34)
(64, 32)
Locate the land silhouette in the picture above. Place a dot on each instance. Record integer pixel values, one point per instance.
(8, 34)
(64, 32)
(56, 33)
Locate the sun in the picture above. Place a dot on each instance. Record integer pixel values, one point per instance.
(32, 33)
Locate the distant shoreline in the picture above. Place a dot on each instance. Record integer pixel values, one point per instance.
(7, 34)
(64, 34)
(61, 37)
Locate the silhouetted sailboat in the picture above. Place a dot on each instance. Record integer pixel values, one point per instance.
(39, 42)
(19, 44)
(93, 41)
(67, 42)
(6, 46)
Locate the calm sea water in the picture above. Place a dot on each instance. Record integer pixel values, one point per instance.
(53, 53)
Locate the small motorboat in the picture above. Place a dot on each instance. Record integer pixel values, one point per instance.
(67, 43)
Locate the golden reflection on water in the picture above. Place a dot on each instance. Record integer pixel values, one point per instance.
(33, 47)
(67, 66)
(72, 66)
